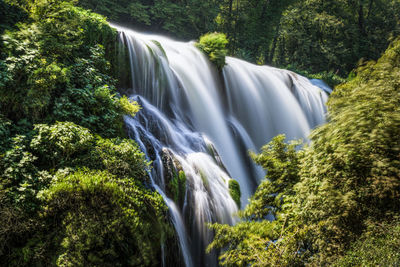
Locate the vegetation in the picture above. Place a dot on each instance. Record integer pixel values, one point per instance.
(314, 36)
(246, 242)
(93, 218)
(327, 197)
(177, 187)
(379, 245)
(234, 191)
(334, 35)
(74, 191)
(214, 46)
(56, 66)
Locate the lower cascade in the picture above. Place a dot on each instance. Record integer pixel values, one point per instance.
(197, 124)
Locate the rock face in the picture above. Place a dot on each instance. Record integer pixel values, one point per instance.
(174, 177)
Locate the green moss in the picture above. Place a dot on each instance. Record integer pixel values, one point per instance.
(234, 191)
(204, 178)
(177, 187)
(214, 46)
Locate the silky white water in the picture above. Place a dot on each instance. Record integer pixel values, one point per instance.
(204, 122)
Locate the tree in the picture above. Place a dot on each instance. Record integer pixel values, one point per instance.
(266, 237)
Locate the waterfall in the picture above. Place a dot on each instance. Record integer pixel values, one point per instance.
(196, 125)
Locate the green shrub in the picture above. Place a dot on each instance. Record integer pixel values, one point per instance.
(246, 242)
(59, 145)
(68, 195)
(128, 107)
(281, 161)
(10, 15)
(51, 157)
(21, 180)
(5, 133)
(66, 144)
(92, 218)
(214, 46)
(121, 157)
(350, 173)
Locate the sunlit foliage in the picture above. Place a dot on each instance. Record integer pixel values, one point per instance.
(56, 68)
(258, 240)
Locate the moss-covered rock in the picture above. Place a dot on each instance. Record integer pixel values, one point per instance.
(214, 46)
(234, 191)
(174, 177)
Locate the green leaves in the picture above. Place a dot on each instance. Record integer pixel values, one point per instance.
(62, 51)
(84, 197)
(100, 219)
(214, 46)
(66, 144)
(128, 107)
(61, 142)
(282, 163)
(380, 245)
(258, 241)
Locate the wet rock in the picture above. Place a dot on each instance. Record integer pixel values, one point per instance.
(174, 177)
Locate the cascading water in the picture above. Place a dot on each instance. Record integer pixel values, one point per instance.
(196, 125)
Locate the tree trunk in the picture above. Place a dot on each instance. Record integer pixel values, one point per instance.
(361, 25)
(371, 2)
(272, 51)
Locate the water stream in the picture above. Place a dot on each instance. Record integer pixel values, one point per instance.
(201, 122)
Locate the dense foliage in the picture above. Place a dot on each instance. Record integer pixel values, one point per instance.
(333, 192)
(57, 69)
(73, 190)
(378, 246)
(333, 36)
